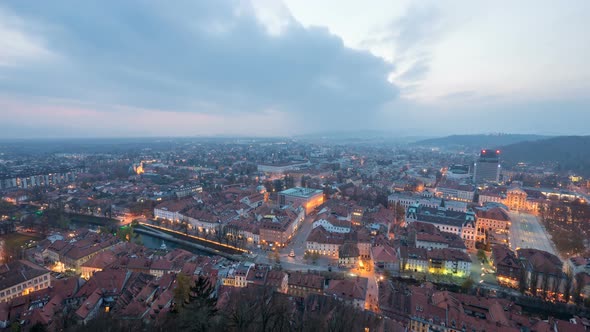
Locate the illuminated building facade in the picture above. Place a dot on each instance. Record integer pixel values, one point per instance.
(516, 199)
(21, 278)
(308, 198)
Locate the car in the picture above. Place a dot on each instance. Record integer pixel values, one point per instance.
(292, 253)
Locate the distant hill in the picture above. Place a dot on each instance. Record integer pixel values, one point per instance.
(571, 153)
(491, 141)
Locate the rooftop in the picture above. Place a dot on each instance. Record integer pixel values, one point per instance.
(301, 192)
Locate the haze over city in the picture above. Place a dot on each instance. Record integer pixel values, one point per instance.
(282, 68)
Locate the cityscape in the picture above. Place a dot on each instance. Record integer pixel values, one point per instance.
(291, 165)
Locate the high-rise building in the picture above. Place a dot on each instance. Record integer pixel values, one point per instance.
(487, 167)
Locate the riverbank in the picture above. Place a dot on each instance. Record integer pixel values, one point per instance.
(188, 241)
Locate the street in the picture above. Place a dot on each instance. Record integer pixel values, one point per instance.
(298, 245)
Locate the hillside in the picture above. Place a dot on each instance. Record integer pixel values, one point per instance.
(491, 141)
(571, 153)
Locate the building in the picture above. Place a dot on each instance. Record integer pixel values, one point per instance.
(323, 242)
(487, 167)
(16, 197)
(333, 225)
(405, 200)
(237, 276)
(491, 219)
(459, 172)
(516, 199)
(491, 195)
(444, 261)
(429, 237)
(463, 224)
(171, 210)
(308, 198)
(199, 219)
(188, 190)
(302, 284)
(21, 278)
(348, 255)
(413, 259)
(449, 262)
(455, 191)
(279, 228)
(385, 258)
(544, 273)
(350, 291)
(281, 168)
(508, 267)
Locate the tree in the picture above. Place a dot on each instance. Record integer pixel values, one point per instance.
(467, 284)
(569, 285)
(307, 256)
(289, 181)
(386, 274)
(314, 257)
(197, 307)
(481, 255)
(38, 328)
(400, 213)
(184, 225)
(534, 282)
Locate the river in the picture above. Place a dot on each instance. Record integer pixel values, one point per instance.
(156, 243)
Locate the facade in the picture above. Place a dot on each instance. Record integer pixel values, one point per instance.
(414, 259)
(436, 261)
(348, 255)
(456, 191)
(385, 258)
(508, 267)
(324, 242)
(463, 224)
(302, 284)
(21, 278)
(491, 219)
(406, 200)
(350, 291)
(516, 199)
(333, 225)
(170, 210)
(543, 271)
(35, 180)
(187, 191)
(487, 167)
(201, 220)
(237, 277)
(308, 198)
(279, 229)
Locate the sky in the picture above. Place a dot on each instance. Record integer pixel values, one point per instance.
(286, 68)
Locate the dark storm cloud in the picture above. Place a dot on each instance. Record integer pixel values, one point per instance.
(194, 56)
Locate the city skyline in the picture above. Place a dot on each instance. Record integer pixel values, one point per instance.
(272, 68)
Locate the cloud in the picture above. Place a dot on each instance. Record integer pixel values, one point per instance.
(411, 38)
(221, 57)
(16, 45)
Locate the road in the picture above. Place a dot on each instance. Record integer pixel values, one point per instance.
(526, 232)
(481, 272)
(298, 245)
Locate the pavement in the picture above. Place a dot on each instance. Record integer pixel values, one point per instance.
(527, 232)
